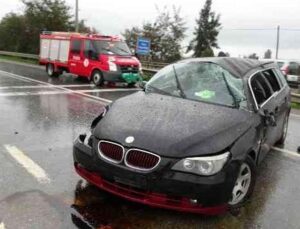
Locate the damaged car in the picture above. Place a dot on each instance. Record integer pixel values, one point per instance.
(192, 139)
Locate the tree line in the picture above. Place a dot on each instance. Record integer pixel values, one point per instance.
(20, 32)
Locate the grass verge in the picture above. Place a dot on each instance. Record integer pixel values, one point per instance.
(18, 59)
(296, 106)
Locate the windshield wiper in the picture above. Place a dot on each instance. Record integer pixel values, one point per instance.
(235, 99)
(109, 50)
(124, 50)
(182, 94)
(157, 89)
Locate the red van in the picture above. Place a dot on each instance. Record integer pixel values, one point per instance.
(97, 57)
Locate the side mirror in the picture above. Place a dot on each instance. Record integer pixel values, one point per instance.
(269, 118)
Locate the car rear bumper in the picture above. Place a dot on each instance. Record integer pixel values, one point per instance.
(164, 189)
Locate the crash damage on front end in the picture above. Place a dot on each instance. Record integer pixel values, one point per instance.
(137, 155)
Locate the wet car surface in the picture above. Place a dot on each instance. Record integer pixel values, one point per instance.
(43, 126)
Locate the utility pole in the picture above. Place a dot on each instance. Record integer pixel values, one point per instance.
(76, 17)
(277, 41)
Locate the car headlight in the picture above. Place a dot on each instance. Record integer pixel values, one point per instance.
(87, 138)
(98, 118)
(205, 166)
(112, 66)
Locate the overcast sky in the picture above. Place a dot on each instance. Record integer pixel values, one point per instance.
(112, 17)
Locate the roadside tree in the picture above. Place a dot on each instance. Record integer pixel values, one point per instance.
(206, 32)
(166, 34)
(268, 54)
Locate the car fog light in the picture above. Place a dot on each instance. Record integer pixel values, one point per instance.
(188, 164)
(193, 201)
(205, 167)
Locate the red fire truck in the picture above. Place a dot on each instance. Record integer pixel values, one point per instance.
(97, 57)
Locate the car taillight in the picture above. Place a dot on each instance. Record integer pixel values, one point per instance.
(285, 70)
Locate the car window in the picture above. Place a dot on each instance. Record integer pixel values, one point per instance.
(89, 49)
(206, 82)
(76, 46)
(294, 68)
(260, 88)
(272, 79)
(281, 77)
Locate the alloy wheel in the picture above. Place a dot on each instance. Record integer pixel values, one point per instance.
(242, 185)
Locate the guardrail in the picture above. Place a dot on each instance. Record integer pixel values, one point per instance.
(148, 66)
(22, 55)
(153, 65)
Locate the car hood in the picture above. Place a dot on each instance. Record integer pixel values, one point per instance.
(172, 127)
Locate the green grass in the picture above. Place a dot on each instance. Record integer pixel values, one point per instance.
(18, 59)
(147, 76)
(296, 106)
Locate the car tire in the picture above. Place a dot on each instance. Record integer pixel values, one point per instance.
(284, 131)
(244, 184)
(97, 78)
(50, 69)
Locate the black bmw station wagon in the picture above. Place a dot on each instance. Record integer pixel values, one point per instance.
(192, 138)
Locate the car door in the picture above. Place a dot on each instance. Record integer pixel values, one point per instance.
(91, 59)
(267, 107)
(76, 57)
(280, 98)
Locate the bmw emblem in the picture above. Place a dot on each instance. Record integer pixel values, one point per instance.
(129, 139)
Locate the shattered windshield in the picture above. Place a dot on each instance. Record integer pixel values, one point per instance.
(113, 48)
(205, 82)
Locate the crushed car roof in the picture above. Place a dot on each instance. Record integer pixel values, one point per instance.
(236, 66)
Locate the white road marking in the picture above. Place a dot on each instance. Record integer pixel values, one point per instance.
(31, 167)
(58, 87)
(25, 80)
(287, 152)
(46, 86)
(8, 94)
(2, 226)
(295, 115)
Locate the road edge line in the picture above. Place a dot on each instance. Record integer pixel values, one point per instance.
(28, 164)
(2, 225)
(58, 87)
(286, 152)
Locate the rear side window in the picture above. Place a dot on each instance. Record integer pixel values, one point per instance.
(76, 46)
(281, 77)
(260, 88)
(272, 79)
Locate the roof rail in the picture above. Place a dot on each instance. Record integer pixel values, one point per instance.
(265, 63)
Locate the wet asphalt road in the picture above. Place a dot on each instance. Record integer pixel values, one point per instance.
(39, 121)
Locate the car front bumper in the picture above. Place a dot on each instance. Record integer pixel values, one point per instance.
(163, 188)
(118, 76)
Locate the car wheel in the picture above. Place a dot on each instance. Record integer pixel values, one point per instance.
(284, 131)
(50, 71)
(244, 184)
(97, 78)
